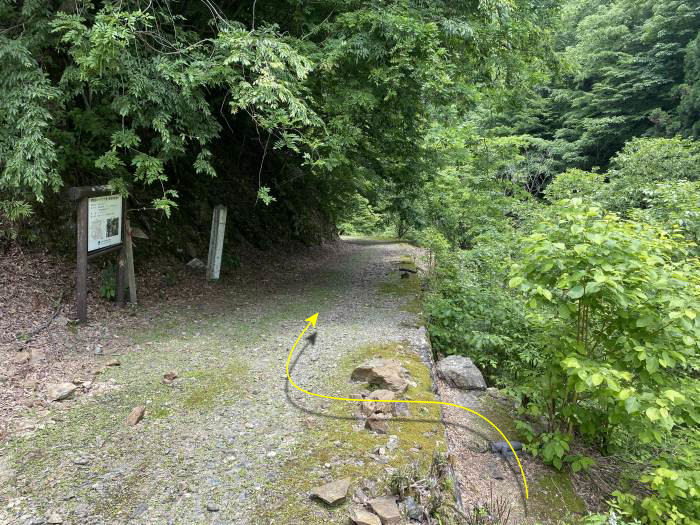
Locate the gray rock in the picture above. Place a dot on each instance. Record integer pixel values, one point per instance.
(140, 509)
(401, 409)
(502, 448)
(332, 493)
(375, 424)
(196, 264)
(54, 518)
(393, 443)
(413, 509)
(460, 372)
(60, 391)
(372, 406)
(359, 496)
(213, 507)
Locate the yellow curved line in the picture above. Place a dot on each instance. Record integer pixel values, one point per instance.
(289, 358)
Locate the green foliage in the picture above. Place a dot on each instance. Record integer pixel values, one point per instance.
(108, 282)
(472, 312)
(619, 303)
(435, 244)
(575, 183)
(689, 106)
(629, 69)
(264, 195)
(27, 154)
(673, 206)
(162, 99)
(359, 218)
(12, 213)
(616, 302)
(642, 164)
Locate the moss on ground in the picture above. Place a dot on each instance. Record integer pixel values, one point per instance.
(423, 430)
(408, 289)
(54, 447)
(213, 383)
(554, 500)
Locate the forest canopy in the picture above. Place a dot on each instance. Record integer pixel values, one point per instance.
(184, 102)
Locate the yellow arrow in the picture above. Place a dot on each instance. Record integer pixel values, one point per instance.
(312, 322)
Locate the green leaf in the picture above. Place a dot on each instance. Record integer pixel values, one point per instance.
(653, 414)
(576, 292)
(515, 281)
(674, 396)
(632, 405)
(571, 362)
(652, 364)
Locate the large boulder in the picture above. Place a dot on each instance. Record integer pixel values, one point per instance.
(384, 373)
(460, 372)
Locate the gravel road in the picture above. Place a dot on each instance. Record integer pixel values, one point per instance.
(227, 442)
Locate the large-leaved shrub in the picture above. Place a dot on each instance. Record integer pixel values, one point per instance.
(617, 303)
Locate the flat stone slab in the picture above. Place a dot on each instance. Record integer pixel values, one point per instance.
(332, 493)
(360, 516)
(384, 373)
(387, 510)
(60, 391)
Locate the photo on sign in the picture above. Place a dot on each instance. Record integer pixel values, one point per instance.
(112, 227)
(104, 222)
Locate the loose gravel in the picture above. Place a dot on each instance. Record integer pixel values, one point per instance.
(227, 441)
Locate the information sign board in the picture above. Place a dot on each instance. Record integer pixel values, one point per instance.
(104, 222)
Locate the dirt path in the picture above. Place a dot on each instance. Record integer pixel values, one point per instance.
(228, 442)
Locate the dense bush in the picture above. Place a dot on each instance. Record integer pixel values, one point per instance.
(620, 304)
(588, 318)
(472, 312)
(642, 164)
(575, 183)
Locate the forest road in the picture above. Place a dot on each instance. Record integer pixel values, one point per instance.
(227, 441)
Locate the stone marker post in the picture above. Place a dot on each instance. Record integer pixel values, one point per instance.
(216, 242)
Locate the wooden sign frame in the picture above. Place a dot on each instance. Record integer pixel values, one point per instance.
(82, 194)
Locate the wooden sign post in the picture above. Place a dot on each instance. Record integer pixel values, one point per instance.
(216, 242)
(100, 223)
